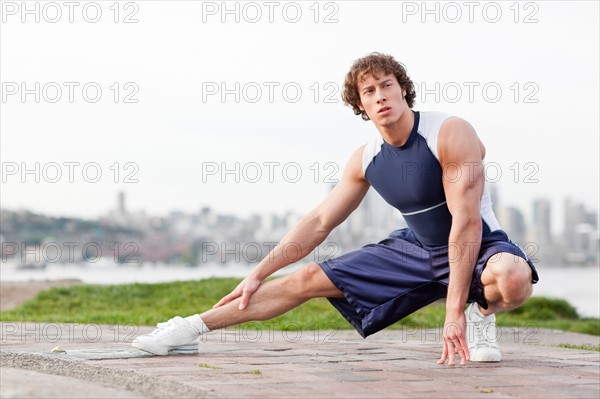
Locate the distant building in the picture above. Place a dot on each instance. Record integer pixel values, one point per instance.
(121, 203)
(378, 216)
(494, 196)
(513, 223)
(574, 214)
(540, 232)
(374, 219)
(580, 234)
(542, 221)
(592, 219)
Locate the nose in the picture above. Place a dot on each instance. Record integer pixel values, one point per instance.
(380, 97)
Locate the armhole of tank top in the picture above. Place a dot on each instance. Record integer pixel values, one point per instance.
(430, 124)
(486, 209)
(372, 148)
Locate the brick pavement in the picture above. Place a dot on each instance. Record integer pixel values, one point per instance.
(269, 363)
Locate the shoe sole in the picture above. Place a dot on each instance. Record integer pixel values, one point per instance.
(486, 361)
(180, 350)
(486, 357)
(184, 350)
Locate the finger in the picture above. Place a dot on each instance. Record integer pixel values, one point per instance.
(460, 349)
(461, 354)
(222, 301)
(442, 360)
(451, 353)
(465, 348)
(227, 298)
(244, 300)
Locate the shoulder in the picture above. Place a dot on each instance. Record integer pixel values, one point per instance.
(454, 128)
(430, 123)
(458, 135)
(355, 166)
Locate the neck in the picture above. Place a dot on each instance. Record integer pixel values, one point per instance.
(398, 133)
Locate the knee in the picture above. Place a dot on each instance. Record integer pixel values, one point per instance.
(513, 277)
(304, 280)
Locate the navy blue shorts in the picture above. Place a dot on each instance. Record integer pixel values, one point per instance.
(385, 282)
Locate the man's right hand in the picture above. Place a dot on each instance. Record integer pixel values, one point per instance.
(245, 289)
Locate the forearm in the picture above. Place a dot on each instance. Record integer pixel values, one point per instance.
(307, 234)
(464, 244)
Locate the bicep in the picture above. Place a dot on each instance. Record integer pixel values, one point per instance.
(462, 165)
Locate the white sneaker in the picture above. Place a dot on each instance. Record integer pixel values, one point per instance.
(481, 336)
(176, 336)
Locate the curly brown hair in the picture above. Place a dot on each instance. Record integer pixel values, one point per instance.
(373, 64)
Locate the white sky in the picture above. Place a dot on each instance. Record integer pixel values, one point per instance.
(176, 51)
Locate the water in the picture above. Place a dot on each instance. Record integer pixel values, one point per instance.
(579, 286)
(114, 274)
(110, 273)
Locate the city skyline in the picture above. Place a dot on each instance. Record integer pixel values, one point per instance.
(556, 208)
(577, 243)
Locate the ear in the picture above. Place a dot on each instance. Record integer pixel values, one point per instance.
(360, 106)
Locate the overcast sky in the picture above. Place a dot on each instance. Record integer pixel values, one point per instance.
(163, 130)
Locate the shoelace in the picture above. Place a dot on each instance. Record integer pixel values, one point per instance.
(160, 327)
(480, 338)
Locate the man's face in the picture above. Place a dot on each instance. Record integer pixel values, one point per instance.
(382, 98)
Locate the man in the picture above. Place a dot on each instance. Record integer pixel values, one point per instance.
(429, 166)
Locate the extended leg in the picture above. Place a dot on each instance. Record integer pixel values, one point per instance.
(274, 298)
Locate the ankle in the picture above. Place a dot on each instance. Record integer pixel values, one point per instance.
(484, 312)
(198, 324)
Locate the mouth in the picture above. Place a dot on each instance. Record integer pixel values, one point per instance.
(384, 109)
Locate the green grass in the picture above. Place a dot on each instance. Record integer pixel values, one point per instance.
(148, 304)
(581, 347)
(208, 366)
